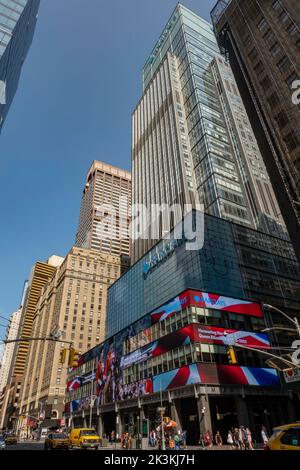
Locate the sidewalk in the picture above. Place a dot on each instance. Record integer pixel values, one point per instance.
(196, 448)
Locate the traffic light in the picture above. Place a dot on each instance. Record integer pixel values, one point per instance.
(73, 357)
(231, 355)
(63, 356)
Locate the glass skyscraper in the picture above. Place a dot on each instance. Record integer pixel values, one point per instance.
(17, 25)
(192, 139)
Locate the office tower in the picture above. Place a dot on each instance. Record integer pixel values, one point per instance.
(17, 25)
(74, 302)
(104, 213)
(261, 40)
(40, 274)
(8, 352)
(192, 140)
(7, 362)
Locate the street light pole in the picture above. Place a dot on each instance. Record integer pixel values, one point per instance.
(162, 411)
(26, 340)
(92, 393)
(297, 325)
(267, 420)
(292, 320)
(279, 328)
(286, 361)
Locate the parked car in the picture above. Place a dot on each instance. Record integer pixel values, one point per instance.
(285, 437)
(85, 438)
(57, 441)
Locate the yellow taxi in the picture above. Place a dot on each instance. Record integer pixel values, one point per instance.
(85, 438)
(11, 439)
(57, 440)
(285, 437)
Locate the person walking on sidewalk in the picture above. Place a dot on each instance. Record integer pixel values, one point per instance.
(208, 441)
(230, 440)
(236, 439)
(152, 439)
(218, 439)
(177, 441)
(249, 439)
(112, 437)
(201, 441)
(264, 435)
(244, 438)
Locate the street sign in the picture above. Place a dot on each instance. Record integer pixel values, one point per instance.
(291, 375)
(161, 409)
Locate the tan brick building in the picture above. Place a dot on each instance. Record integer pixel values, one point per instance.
(73, 301)
(39, 276)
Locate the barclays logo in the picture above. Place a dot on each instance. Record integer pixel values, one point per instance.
(163, 38)
(162, 255)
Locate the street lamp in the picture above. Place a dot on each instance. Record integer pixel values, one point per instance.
(138, 433)
(162, 411)
(292, 320)
(278, 328)
(266, 413)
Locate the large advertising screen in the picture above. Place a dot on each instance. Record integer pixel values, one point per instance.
(214, 374)
(195, 333)
(206, 300)
(209, 374)
(110, 360)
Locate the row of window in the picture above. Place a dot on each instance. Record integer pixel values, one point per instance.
(188, 316)
(185, 355)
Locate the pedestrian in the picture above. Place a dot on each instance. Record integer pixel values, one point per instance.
(264, 435)
(244, 438)
(127, 441)
(152, 438)
(201, 441)
(249, 438)
(123, 443)
(208, 441)
(236, 439)
(218, 439)
(230, 440)
(241, 439)
(112, 437)
(177, 441)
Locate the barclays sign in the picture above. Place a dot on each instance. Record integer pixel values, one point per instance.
(162, 255)
(162, 38)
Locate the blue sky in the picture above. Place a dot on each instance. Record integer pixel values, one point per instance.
(80, 83)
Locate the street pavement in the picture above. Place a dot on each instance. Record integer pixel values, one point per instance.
(34, 445)
(27, 445)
